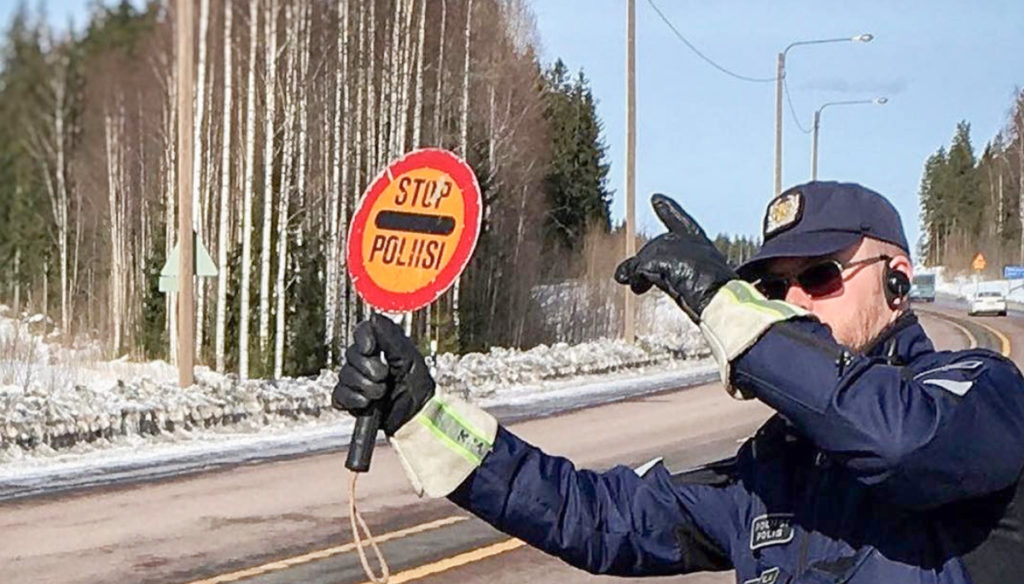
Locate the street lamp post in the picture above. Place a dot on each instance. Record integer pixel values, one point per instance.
(780, 75)
(817, 125)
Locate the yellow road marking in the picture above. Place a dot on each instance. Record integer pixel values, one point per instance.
(1003, 339)
(326, 553)
(1005, 346)
(455, 561)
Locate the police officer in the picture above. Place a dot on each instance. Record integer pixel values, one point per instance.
(887, 462)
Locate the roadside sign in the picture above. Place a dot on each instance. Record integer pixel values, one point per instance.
(1013, 272)
(414, 230)
(979, 262)
(202, 265)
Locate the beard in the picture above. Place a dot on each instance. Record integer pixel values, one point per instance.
(864, 326)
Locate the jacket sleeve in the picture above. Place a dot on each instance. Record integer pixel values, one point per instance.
(615, 522)
(921, 439)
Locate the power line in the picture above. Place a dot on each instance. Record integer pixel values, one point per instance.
(697, 52)
(792, 110)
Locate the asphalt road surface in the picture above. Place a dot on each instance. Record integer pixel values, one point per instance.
(287, 521)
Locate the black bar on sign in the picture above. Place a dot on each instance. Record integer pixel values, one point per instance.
(415, 222)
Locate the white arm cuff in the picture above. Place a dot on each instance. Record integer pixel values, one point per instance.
(735, 319)
(443, 444)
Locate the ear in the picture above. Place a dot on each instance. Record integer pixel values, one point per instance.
(897, 292)
(902, 263)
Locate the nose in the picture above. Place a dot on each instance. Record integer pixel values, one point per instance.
(796, 295)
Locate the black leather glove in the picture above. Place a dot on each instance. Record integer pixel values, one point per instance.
(683, 262)
(400, 384)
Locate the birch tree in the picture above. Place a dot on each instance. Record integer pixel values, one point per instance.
(197, 159)
(463, 145)
(270, 91)
(113, 134)
(225, 194)
(339, 186)
(49, 148)
(250, 148)
(288, 123)
(417, 120)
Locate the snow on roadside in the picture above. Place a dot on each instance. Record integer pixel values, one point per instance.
(68, 406)
(964, 286)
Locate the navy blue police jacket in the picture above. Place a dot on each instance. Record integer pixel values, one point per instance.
(901, 464)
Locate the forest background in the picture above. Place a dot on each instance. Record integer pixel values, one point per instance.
(299, 104)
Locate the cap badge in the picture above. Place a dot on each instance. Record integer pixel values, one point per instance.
(783, 212)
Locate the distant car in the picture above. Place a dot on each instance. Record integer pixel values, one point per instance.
(923, 288)
(987, 302)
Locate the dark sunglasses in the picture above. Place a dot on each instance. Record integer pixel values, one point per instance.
(817, 280)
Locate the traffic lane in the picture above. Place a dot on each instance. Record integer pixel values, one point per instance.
(203, 525)
(943, 333)
(996, 333)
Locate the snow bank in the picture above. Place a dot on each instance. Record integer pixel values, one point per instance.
(68, 405)
(965, 286)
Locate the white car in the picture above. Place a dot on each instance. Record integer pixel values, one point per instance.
(988, 302)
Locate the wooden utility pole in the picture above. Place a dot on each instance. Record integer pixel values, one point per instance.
(186, 310)
(629, 309)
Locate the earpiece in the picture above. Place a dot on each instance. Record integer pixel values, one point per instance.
(896, 286)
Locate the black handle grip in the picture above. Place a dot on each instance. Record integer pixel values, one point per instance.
(364, 435)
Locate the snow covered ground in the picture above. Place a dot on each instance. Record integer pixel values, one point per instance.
(965, 286)
(68, 419)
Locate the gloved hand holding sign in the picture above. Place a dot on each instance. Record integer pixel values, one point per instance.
(400, 384)
(440, 439)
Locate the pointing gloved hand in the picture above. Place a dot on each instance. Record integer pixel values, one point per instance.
(401, 384)
(684, 263)
(440, 439)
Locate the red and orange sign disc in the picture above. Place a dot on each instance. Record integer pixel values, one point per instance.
(414, 230)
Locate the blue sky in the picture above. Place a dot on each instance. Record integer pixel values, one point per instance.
(708, 139)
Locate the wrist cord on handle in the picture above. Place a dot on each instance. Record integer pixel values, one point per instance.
(354, 517)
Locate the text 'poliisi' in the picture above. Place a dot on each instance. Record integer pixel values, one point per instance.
(413, 238)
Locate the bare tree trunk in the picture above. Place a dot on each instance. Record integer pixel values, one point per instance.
(48, 148)
(17, 281)
(438, 99)
(250, 147)
(112, 134)
(464, 149)
(59, 84)
(417, 120)
(285, 184)
(270, 89)
(373, 117)
(225, 194)
(361, 155)
(408, 65)
(340, 159)
(198, 187)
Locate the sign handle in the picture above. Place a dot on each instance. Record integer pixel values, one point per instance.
(364, 435)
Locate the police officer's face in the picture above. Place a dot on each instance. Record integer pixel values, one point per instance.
(855, 308)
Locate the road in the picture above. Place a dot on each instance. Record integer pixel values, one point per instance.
(287, 521)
